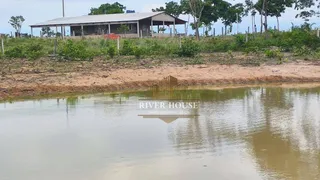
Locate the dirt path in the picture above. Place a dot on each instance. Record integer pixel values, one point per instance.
(32, 84)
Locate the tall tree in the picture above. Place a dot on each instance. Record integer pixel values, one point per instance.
(115, 8)
(232, 15)
(249, 8)
(16, 22)
(277, 7)
(172, 8)
(196, 8)
(273, 8)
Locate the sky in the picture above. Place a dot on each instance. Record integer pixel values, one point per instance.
(35, 11)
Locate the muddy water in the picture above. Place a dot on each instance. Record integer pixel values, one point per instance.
(246, 133)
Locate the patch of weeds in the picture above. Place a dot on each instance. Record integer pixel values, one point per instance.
(75, 50)
(15, 52)
(195, 61)
(302, 51)
(34, 51)
(189, 48)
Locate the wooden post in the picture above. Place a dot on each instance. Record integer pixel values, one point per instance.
(141, 34)
(2, 46)
(318, 32)
(214, 32)
(247, 38)
(118, 44)
(55, 46)
(180, 45)
(73, 33)
(109, 29)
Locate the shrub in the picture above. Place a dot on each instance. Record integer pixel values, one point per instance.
(127, 48)
(275, 53)
(240, 39)
(73, 50)
(15, 52)
(138, 51)
(34, 51)
(112, 51)
(189, 48)
(271, 53)
(302, 51)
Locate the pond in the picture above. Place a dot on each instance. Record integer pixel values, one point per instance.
(235, 133)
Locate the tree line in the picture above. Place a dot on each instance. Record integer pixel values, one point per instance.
(207, 12)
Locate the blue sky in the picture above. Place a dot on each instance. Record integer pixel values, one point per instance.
(36, 11)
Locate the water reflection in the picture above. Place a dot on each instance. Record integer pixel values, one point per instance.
(246, 133)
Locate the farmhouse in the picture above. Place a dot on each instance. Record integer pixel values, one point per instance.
(137, 24)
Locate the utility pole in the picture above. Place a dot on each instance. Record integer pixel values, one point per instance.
(63, 8)
(63, 15)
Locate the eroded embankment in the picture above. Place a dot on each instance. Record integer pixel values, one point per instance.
(22, 85)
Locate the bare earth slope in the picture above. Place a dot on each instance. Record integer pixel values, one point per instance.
(31, 84)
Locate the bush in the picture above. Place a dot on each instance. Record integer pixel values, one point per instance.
(73, 50)
(127, 48)
(15, 52)
(138, 51)
(271, 53)
(112, 51)
(34, 51)
(275, 53)
(302, 51)
(189, 48)
(240, 39)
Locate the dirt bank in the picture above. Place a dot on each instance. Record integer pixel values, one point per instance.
(26, 83)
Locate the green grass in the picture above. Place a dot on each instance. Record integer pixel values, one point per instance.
(299, 41)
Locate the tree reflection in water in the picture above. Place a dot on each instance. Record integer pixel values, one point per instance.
(279, 128)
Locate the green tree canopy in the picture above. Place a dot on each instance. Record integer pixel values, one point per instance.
(46, 31)
(232, 14)
(16, 22)
(172, 8)
(115, 8)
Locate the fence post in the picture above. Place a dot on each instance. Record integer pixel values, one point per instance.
(180, 41)
(141, 35)
(247, 36)
(2, 46)
(55, 46)
(214, 32)
(118, 44)
(318, 32)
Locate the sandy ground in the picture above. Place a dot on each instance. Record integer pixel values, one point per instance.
(35, 84)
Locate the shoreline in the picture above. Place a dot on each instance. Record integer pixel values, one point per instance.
(18, 85)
